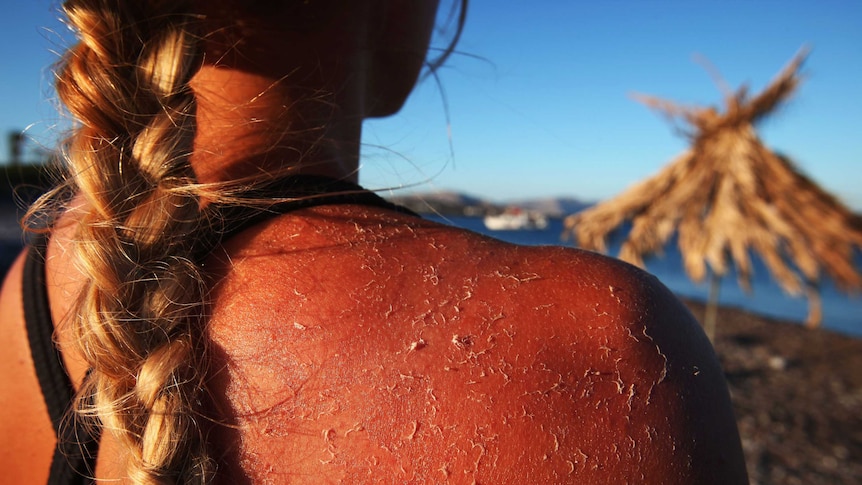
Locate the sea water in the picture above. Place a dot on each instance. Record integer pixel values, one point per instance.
(841, 312)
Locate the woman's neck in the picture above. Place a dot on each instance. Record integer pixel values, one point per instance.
(249, 124)
(271, 99)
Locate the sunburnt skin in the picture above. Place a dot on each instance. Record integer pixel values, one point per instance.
(531, 367)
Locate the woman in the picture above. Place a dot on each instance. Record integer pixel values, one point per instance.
(230, 307)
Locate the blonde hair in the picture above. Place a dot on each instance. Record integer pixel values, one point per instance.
(126, 83)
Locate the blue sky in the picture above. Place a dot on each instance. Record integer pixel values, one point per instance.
(540, 101)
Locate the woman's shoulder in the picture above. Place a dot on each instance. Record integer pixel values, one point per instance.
(417, 264)
(437, 352)
(25, 427)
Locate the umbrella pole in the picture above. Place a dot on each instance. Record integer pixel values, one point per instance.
(712, 306)
(815, 306)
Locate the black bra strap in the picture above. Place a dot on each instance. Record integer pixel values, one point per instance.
(74, 457)
(302, 191)
(55, 383)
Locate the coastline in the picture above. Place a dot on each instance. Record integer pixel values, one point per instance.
(797, 394)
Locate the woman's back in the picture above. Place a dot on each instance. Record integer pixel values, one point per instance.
(362, 345)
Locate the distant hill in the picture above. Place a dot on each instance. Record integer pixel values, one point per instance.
(443, 202)
(457, 203)
(554, 206)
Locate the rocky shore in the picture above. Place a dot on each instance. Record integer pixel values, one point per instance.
(797, 394)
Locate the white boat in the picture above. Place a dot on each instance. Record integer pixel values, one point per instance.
(516, 219)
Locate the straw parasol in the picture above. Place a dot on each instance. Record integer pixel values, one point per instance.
(728, 196)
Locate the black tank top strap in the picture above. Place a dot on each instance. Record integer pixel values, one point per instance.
(299, 192)
(75, 455)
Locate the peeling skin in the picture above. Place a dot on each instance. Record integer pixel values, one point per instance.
(530, 365)
(417, 345)
(356, 427)
(412, 433)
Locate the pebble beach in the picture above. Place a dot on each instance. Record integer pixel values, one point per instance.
(797, 394)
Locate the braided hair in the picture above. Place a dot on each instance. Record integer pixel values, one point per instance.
(126, 83)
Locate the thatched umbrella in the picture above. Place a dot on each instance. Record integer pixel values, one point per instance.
(729, 195)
